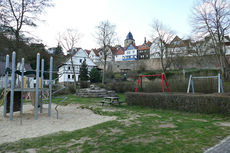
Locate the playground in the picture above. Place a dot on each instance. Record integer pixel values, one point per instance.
(71, 117)
(128, 129)
(84, 125)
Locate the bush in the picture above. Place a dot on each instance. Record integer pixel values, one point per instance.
(69, 89)
(180, 85)
(84, 84)
(84, 72)
(121, 87)
(95, 76)
(200, 103)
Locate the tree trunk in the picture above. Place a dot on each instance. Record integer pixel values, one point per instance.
(103, 76)
(74, 74)
(17, 46)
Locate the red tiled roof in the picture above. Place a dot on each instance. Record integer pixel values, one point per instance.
(120, 51)
(88, 51)
(149, 43)
(96, 52)
(143, 47)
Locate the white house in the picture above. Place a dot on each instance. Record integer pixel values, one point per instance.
(119, 54)
(130, 53)
(94, 55)
(65, 71)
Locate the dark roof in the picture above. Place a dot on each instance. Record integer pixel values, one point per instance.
(3, 64)
(129, 36)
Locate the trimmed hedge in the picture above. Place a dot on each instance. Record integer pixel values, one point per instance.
(200, 103)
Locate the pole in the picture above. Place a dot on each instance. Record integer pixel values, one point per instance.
(193, 91)
(166, 82)
(138, 83)
(22, 81)
(141, 84)
(50, 86)
(37, 87)
(12, 86)
(162, 80)
(42, 85)
(189, 83)
(6, 85)
(219, 88)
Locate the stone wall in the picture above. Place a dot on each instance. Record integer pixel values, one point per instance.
(205, 62)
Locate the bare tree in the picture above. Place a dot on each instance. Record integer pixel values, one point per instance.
(68, 40)
(162, 37)
(211, 19)
(15, 14)
(105, 36)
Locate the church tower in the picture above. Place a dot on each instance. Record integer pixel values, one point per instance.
(129, 40)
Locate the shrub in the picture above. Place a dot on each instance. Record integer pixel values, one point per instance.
(94, 76)
(201, 103)
(120, 87)
(69, 89)
(84, 84)
(100, 85)
(84, 72)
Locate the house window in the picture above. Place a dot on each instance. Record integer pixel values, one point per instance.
(80, 60)
(69, 68)
(133, 51)
(69, 76)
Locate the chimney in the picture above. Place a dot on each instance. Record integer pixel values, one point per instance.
(145, 41)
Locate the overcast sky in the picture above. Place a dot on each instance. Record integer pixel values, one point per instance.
(135, 16)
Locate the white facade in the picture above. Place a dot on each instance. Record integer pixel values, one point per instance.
(154, 50)
(65, 70)
(93, 56)
(118, 57)
(51, 50)
(130, 53)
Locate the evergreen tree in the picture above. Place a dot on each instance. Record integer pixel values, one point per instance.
(95, 76)
(59, 50)
(84, 72)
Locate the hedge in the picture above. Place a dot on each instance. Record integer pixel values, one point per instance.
(200, 103)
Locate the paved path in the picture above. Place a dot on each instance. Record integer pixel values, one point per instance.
(222, 147)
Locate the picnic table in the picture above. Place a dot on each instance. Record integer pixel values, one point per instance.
(111, 100)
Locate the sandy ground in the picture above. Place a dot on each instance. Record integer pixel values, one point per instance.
(71, 117)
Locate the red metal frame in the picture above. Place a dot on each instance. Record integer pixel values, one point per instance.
(163, 78)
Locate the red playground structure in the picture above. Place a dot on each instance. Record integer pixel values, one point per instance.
(159, 75)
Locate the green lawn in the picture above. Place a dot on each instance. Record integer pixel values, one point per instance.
(136, 129)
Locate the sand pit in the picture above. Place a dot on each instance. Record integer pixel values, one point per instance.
(71, 118)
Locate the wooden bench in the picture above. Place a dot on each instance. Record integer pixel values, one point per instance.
(111, 100)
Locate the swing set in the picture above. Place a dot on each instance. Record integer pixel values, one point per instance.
(163, 79)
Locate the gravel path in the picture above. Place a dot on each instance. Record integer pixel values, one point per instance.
(71, 118)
